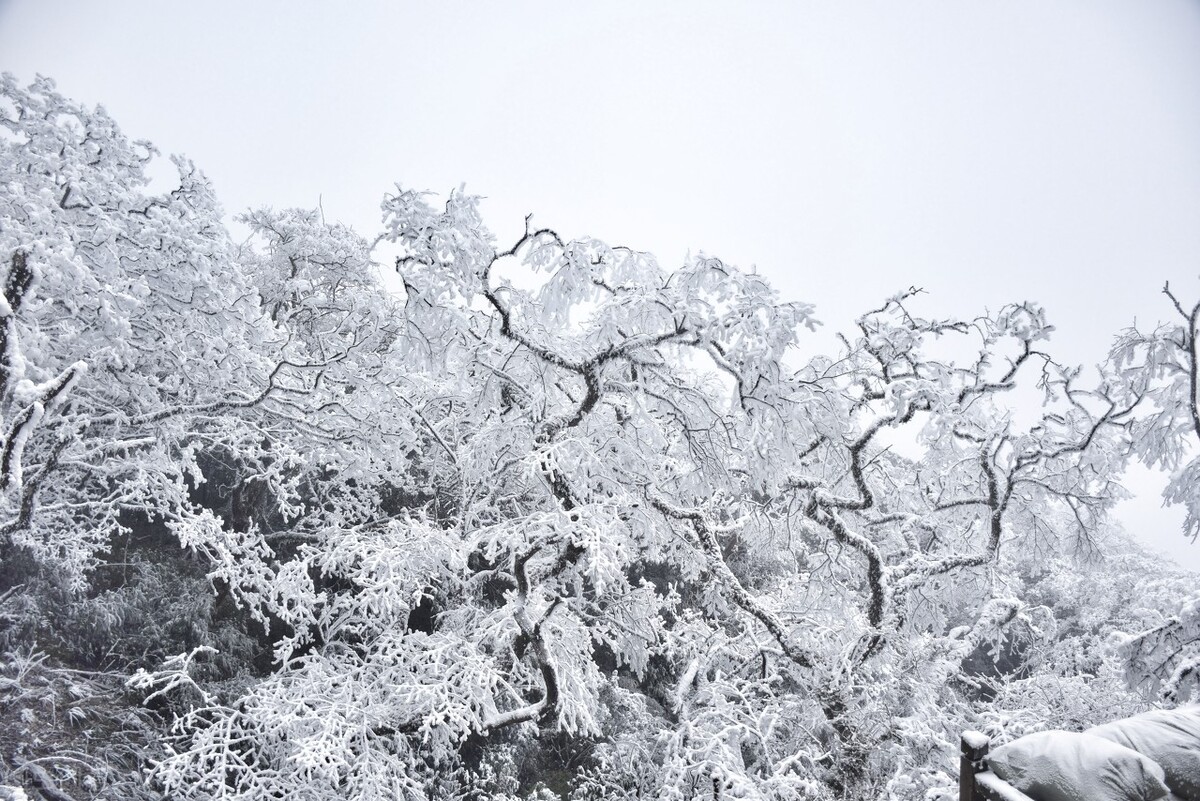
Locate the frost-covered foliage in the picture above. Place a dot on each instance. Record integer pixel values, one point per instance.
(1160, 372)
(553, 522)
(71, 731)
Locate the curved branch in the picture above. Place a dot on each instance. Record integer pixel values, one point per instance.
(27, 421)
(738, 594)
(16, 288)
(44, 782)
(547, 705)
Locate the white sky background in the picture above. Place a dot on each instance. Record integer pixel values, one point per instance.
(988, 152)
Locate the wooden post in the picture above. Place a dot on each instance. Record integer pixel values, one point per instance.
(974, 754)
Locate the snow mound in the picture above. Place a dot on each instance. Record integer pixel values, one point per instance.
(1065, 766)
(1171, 737)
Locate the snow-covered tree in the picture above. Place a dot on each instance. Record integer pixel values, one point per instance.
(639, 504)
(1158, 374)
(555, 505)
(129, 339)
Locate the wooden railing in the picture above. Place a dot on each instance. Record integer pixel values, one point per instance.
(975, 781)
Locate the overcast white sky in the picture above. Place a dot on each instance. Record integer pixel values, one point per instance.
(988, 152)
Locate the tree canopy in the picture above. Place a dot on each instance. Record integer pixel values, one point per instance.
(551, 520)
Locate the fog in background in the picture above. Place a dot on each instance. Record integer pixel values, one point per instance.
(985, 152)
